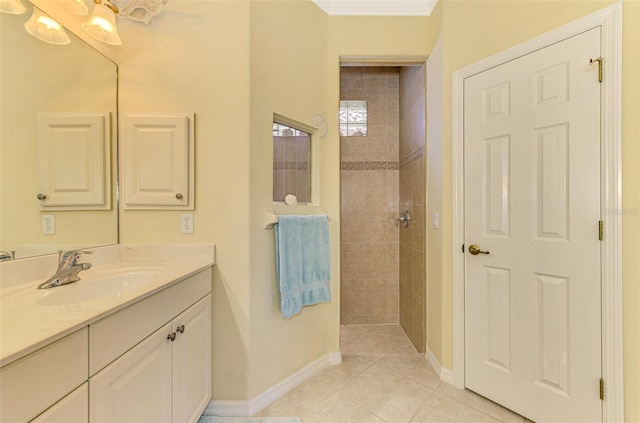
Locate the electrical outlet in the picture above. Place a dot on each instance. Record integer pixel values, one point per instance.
(186, 223)
(48, 224)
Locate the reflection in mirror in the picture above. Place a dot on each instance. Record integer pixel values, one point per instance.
(291, 163)
(39, 78)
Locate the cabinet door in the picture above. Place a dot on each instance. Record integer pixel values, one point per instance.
(73, 161)
(192, 362)
(157, 157)
(74, 408)
(137, 386)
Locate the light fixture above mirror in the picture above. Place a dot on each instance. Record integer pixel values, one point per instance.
(46, 29)
(13, 7)
(101, 25)
(77, 7)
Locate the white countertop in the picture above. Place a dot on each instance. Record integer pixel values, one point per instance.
(28, 322)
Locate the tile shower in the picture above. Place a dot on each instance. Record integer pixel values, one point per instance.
(383, 174)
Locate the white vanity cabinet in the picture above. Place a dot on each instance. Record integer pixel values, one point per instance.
(167, 376)
(147, 362)
(74, 408)
(137, 386)
(33, 383)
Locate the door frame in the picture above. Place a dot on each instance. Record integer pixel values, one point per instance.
(610, 20)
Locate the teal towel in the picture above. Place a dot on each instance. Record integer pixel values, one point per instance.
(302, 261)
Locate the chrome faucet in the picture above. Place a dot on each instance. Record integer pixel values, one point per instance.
(5, 255)
(68, 269)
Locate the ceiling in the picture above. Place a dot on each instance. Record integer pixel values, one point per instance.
(377, 7)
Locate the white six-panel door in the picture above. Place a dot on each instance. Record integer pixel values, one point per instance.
(532, 201)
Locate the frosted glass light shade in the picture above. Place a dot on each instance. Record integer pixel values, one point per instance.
(101, 25)
(46, 29)
(13, 7)
(77, 7)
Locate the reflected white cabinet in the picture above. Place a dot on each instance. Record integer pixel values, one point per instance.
(165, 378)
(158, 161)
(73, 161)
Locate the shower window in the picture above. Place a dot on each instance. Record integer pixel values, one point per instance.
(291, 163)
(353, 118)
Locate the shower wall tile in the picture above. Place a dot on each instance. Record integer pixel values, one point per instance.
(393, 304)
(412, 285)
(365, 260)
(370, 198)
(363, 224)
(353, 295)
(393, 192)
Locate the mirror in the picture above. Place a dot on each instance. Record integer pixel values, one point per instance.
(37, 77)
(291, 163)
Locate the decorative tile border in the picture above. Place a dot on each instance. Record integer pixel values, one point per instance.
(290, 165)
(369, 165)
(411, 157)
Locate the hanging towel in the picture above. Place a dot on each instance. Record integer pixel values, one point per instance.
(302, 261)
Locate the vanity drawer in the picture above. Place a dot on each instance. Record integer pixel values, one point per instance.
(35, 382)
(112, 336)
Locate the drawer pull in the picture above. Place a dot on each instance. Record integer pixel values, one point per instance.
(180, 328)
(172, 336)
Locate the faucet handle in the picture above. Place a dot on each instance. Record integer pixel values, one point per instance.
(71, 257)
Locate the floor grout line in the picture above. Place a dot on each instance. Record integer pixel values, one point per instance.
(376, 348)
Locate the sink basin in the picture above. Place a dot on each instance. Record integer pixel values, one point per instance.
(100, 285)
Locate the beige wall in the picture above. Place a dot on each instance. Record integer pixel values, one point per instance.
(288, 53)
(473, 30)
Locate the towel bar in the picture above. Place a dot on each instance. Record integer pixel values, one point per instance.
(270, 218)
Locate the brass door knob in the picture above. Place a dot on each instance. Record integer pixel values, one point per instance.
(475, 250)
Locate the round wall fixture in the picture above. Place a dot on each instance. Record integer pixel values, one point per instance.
(318, 122)
(290, 200)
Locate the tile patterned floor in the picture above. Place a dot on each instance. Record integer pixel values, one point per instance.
(383, 379)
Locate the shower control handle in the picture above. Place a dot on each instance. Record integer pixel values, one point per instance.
(404, 219)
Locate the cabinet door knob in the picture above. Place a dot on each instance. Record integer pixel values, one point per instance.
(41, 197)
(179, 196)
(180, 328)
(172, 336)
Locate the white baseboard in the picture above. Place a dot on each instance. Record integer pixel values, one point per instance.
(271, 395)
(444, 374)
(227, 409)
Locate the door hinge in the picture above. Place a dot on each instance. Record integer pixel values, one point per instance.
(600, 230)
(599, 60)
(601, 389)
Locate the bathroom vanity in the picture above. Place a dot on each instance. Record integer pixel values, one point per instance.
(130, 342)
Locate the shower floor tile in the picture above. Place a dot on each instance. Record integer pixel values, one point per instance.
(383, 378)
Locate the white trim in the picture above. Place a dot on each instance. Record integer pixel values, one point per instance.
(610, 20)
(376, 7)
(271, 395)
(444, 374)
(227, 409)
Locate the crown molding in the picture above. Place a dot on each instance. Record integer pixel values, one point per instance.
(376, 7)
